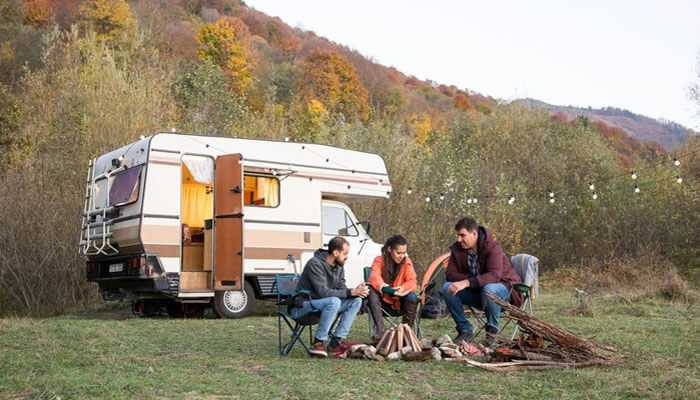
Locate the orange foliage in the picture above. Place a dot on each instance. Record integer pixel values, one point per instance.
(462, 102)
(38, 12)
(330, 79)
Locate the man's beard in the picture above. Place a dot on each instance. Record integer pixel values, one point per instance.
(339, 262)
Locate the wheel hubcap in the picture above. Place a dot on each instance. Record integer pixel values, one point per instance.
(235, 301)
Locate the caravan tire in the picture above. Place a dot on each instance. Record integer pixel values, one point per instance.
(235, 303)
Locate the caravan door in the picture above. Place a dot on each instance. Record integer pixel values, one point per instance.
(228, 223)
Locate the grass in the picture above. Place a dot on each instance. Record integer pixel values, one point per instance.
(108, 354)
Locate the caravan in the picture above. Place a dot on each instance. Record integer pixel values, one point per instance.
(177, 220)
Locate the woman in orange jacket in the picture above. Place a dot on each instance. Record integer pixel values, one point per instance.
(393, 284)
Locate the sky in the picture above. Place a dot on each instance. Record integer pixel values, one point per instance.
(638, 55)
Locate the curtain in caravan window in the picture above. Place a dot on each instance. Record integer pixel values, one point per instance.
(196, 204)
(268, 190)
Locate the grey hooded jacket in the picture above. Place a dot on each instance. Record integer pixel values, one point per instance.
(321, 279)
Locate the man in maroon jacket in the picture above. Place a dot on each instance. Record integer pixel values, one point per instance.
(477, 266)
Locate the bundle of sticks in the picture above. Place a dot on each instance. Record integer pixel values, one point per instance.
(396, 339)
(543, 345)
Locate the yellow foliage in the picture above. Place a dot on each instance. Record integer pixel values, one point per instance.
(422, 125)
(224, 44)
(316, 113)
(112, 20)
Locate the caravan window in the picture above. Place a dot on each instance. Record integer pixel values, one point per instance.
(261, 191)
(125, 187)
(337, 222)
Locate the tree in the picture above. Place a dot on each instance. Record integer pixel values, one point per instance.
(38, 12)
(330, 79)
(112, 20)
(224, 43)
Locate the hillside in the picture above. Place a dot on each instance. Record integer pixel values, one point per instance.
(668, 134)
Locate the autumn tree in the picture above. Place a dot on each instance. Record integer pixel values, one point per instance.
(330, 79)
(225, 43)
(422, 126)
(38, 12)
(462, 102)
(112, 20)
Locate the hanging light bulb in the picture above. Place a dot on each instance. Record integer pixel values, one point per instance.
(676, 162)
(409, 191)
(591, 186)
(551, 195)
(442, 196)
(469, 201)
(388, 195)
(286, 139)
(636, 189)
(679, 179)
(551, 200)
(511, 200)
(475, 200)
(427, 199)
(595, 196)
(634, 175)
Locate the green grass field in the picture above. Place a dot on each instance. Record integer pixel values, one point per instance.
(109, 354)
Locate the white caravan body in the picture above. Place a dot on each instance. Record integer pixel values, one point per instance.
(263, 208)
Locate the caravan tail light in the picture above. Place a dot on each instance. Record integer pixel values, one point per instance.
(136, 265)
(91, 268)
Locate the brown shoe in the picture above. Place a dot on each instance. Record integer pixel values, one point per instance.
(318, 349)
(339, 347)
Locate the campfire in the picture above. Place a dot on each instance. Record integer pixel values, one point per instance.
(540, 345)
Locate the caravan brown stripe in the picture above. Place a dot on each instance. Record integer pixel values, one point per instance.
(251, 253)
(260, 253)
(163, 250)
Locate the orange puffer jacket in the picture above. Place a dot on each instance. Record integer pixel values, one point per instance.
(406, 278)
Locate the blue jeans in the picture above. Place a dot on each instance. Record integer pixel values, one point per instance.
(475, 297)
(330, 307)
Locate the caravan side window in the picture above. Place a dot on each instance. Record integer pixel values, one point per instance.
(337, 222)
(125, 187)
(261, 191)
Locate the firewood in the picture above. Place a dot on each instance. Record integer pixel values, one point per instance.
(417, 356)
(384, 343)
(399, 336)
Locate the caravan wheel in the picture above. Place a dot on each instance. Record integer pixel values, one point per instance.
(235, 303)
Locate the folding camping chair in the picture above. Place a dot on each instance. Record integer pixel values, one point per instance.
(527, 267)
(389, 314)
(431, 283)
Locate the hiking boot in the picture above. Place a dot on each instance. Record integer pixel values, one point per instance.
(318, 349)
(464, 337)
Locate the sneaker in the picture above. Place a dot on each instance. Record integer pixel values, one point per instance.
(318, 349)
(464, 337)
(491, 337)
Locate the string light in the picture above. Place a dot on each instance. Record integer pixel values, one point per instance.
(551, 194)
(286, 139)
(427, 199)
(634, 175)
(679, 179)
(636, 189)
(511, 200)
(442, 196)
(676, 162)
(591, 186)
(469, 201)
(551, 200)
(595, 196)
(475, 200)
(409, 191)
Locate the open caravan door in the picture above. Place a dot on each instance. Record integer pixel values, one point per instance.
(228, 224)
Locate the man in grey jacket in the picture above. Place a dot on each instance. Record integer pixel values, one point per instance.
(323, 280)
